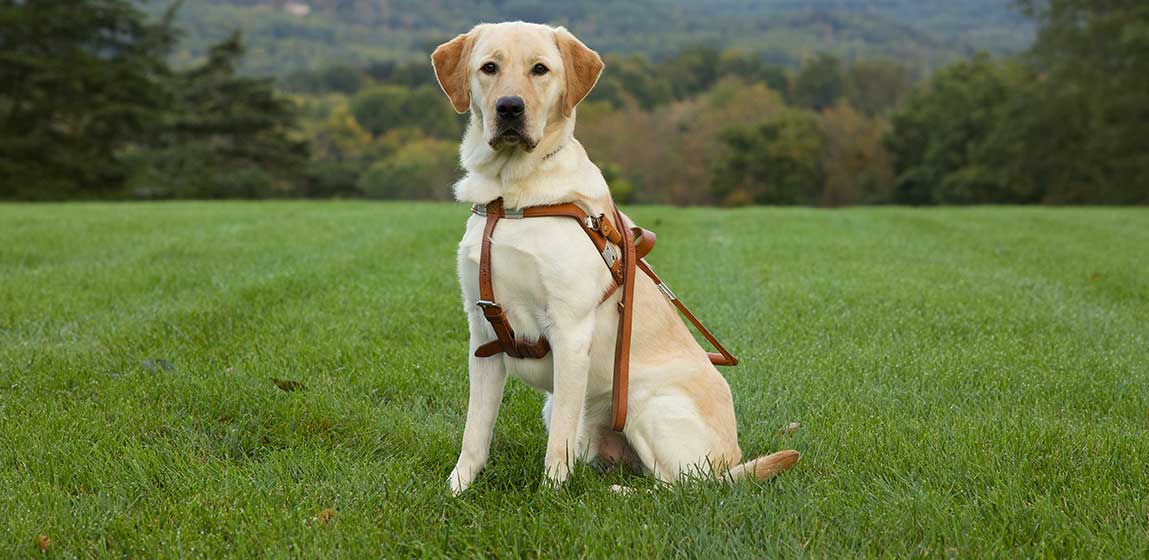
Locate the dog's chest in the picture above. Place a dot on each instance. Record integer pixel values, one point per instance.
(544, 272)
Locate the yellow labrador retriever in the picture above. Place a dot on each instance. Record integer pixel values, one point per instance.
(521, 83)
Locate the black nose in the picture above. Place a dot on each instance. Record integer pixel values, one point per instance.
(510, 107)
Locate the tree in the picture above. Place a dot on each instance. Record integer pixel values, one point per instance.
(1093, 56)
(423, 169)
(876, 86)
(223, 135)
(79, 82)
(954, 140)
(751, 68)
(632, 79)
(667, 153)
(339, 78)
(856, 166)
(773, 162)
(383, 108)
(819, 82)
(691, 71)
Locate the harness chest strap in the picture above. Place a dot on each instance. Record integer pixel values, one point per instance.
(602, 233)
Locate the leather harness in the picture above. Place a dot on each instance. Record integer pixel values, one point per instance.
(622, 251)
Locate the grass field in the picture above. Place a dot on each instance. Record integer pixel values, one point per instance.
(969, 382)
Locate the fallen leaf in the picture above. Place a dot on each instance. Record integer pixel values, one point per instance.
(288, 385)
(789, 429)
(1094, 277)
(43, 542)
(325, 516)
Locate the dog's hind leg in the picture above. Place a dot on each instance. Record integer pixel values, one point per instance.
(674, 442)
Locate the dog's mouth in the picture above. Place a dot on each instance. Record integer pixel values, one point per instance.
(511, 138)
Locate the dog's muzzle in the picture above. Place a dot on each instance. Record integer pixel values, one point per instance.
(510, 120)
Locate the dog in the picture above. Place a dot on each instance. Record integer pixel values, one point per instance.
(521, 83)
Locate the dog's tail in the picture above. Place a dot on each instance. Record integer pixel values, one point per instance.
(765, 466)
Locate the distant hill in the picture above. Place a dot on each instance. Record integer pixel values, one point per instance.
(288, 35)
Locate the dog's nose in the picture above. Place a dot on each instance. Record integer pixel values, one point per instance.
(510, 107)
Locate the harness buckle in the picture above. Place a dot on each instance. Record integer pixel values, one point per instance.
(594, 223)
(485, 304)
(609, 256)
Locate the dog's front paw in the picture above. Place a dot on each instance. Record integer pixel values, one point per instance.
(457, 482)
(556, 474)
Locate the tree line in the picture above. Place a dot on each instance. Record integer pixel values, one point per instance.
(90, 108)
(89, 113)
(284, 39)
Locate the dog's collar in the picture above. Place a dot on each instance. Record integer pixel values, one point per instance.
(557, 150)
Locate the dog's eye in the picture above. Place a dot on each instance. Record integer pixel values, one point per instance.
(489, 68)
(540, 69)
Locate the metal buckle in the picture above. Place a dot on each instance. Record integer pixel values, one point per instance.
(662, 287)
(486, 304)
(593, 223)
(609, 256)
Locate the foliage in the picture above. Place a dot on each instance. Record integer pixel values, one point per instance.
(1066, 124)
(632, 80)
(856, 168)
(702, 124)
(1092, 57)
(819, 82)
(941, 139)
(876, 86)
(79, 82)
(382, 108)
(665, 152)
(362, 32)
(89, 107)
(337, 78)
(421, 169)
(774, 162)
(221, 136)
(621, 189)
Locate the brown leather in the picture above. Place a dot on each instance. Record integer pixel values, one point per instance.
(602, 232)
(643, 241)
(507, 342)
(618, 400)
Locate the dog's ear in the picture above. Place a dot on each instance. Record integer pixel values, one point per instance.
(582, 68)
(450, 62)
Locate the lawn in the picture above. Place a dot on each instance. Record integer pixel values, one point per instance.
(969, 382)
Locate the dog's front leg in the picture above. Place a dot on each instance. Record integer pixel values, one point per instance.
(488, 377)
(570, 344)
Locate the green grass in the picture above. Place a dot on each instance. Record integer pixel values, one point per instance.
(970, 383)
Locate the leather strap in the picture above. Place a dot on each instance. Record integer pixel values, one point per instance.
(723, 357)
(602, 233)
(618, 400)
(506, 342)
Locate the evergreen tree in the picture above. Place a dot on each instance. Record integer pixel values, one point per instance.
(223, 136)
(79, 81)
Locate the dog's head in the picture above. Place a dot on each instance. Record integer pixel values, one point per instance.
(516, 77)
